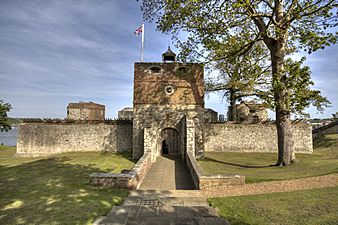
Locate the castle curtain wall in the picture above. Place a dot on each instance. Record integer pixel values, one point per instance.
(331, 128)
(232, 137)
(39, 139)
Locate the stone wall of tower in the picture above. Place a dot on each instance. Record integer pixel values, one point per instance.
(154, 103)
(186, 79)
(86, 111)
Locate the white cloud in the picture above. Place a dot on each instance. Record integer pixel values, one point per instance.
(55, 52)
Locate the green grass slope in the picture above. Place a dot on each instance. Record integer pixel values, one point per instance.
(55, 189)
(257, 166)
(312, 207)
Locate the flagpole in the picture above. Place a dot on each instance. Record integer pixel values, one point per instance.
(142, 48)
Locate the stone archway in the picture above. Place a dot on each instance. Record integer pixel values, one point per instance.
(170, 142)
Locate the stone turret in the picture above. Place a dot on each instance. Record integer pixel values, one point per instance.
(250, 111)
(86, 111)
(168, 56)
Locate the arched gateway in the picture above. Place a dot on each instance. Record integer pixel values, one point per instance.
(170, 142)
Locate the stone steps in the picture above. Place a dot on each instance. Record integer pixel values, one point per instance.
(161, 208)
(165, 201)
(167, 193)
(165, 215)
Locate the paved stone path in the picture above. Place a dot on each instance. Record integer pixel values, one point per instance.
(165, 197)
(168, 173)
(163, 205)
(163, 208)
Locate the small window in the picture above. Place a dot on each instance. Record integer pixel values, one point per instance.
(169, 90)
(155, 69)
(182, 70)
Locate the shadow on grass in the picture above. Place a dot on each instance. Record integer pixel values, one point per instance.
(50, 191)
(326, 141)
(126, 155)
(207, 159)
(236, 221)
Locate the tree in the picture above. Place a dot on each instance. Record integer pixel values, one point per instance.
(335, 116)
(240, 76)
(299, 84)
(282, 26)
(4, 108)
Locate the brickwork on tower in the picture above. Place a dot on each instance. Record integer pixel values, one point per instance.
(163, 94)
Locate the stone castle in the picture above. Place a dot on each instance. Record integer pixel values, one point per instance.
(168, 117)
(165, 94)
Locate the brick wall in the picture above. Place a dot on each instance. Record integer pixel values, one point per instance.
(149, 88)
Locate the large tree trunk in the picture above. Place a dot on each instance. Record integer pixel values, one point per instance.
(283, 126)
(283, 123)
(276, 46)
(279, 83)
(232, 110)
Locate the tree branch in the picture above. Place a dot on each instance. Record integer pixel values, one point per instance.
(310, 13)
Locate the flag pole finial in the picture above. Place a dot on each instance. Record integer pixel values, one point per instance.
(142, 49)
(137, 32)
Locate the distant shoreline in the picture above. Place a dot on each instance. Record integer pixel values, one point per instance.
(9, 138)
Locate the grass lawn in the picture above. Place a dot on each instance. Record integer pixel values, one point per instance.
(256, 166)
(319, 206)
(55, 189)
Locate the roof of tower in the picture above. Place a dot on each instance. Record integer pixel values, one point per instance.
(169, 56)
(85, 105)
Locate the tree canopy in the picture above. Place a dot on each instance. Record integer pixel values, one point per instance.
(240, 76)
(4, 108)
(299, 85)
(282, 26)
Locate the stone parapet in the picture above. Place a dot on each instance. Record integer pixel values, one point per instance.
(209, 182)
(129, 180)
(112, 180)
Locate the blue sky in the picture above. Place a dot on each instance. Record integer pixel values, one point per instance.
(56, 52)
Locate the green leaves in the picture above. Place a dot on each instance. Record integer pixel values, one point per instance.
(299, 89)
(224, 33)
(4, 108)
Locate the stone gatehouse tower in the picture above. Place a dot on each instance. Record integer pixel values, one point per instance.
(166, 94)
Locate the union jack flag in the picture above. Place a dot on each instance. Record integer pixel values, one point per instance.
(138, 31)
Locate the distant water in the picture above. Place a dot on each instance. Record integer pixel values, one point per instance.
(9, 138)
